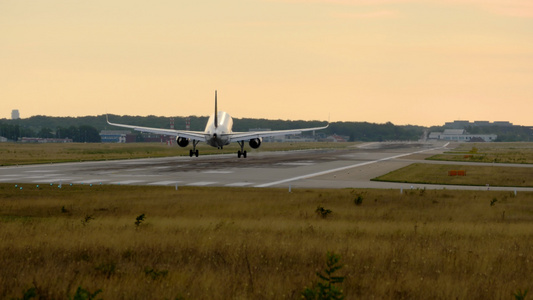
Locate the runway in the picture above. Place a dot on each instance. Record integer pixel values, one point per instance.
(345, 168)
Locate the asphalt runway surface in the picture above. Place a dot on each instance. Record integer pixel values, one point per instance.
(352, 167)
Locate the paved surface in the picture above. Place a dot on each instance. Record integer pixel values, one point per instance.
(346, 168)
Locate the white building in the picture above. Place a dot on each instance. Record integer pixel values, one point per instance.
(15, 115)
(460, 135)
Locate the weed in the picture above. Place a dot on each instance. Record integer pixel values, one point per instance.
(155, 274)
(326, 289)
(493, 201)
(322, 212)
(358, 200)
(106, 269)
(29, 294)
(520, 295)
(83, 294)
(87, 219)
(64, 210)
(139, 220)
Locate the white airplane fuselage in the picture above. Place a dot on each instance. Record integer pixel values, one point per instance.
(218, 136)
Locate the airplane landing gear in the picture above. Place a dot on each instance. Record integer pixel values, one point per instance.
(194, 151)
(241, 152)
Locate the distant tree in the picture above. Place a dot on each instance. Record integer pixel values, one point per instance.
(88, 134)
(45, 133)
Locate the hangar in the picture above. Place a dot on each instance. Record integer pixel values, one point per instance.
(460, 135)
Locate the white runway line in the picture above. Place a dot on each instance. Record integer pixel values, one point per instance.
(44, 176)
(90, 181)
(9, 179)
(218, 172)
(201, 183)
(164, 182)
(343, 168)
(49, 180)
(296, 164)
(237, 184)
(40, 171)
(127, 182)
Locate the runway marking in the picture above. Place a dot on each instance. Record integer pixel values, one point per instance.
(164, 182)
(48, 180)
(344, 168)
(135, 170)
(136, 163)
(237, 184)
(90, 181)
(127, 182)
(44, 176)
(201, 183)
(9, 179)
(217, 172)
(296, 164)
(40, 171)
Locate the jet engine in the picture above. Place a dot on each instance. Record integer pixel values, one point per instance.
(255, 143)
(182, 142)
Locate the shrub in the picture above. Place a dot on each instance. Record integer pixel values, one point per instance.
(87, 219)
(322, 212)
(155, 274)
(83, 294)
(326, 289)
(520, 295)
(107, 269)
(358, 200)
(139, 220)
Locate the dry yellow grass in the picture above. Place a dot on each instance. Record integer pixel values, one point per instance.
(221, 243)
(517, 153)
(475, 175)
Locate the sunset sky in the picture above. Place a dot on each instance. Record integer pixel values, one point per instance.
(403, 61)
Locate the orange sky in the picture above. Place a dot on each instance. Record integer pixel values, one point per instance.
(403, 61)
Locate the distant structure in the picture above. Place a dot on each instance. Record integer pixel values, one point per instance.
(117, 136)
(43, 140)
(15, 115)
(461, 124)
(460, 135)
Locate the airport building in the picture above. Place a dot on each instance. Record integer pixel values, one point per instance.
(461, 124)
(117, 136)
(15, 115)
(460, 135)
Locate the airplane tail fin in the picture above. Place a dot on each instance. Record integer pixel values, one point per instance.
(216, 111)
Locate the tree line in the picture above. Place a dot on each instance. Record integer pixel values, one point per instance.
(86, 129)
(81, 134)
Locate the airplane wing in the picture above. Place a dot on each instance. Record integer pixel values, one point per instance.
(245, 136)
(194, 135)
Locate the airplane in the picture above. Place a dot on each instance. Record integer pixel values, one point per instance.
(218, 133)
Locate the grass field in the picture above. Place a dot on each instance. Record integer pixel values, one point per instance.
(20, 154)
(475, 175)
(517, 153)
(222, 243)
